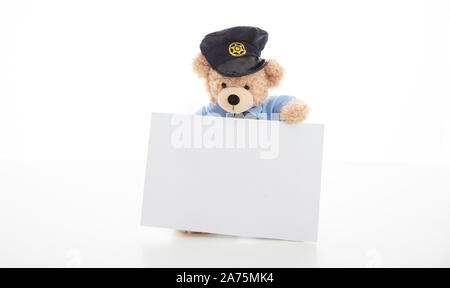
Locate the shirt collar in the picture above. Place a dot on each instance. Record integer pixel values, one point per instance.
(256, 111)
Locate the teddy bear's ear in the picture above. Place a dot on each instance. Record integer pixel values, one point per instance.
(201, 66)
(274, 73)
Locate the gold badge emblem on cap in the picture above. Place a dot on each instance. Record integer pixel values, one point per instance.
(237, 49)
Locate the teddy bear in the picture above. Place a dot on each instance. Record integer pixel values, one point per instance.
(238, 79)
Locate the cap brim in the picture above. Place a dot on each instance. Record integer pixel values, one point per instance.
(241, 66)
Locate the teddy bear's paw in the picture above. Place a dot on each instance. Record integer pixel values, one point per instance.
(187, 232)
(294, 112)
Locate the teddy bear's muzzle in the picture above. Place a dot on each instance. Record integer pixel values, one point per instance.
(235, 99)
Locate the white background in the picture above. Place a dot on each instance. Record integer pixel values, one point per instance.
(79, 79)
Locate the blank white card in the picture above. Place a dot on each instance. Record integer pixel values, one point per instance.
(243, 177)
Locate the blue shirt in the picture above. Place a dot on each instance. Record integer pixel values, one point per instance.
(269, 110)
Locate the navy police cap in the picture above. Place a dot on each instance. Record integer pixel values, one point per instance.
(236, 51)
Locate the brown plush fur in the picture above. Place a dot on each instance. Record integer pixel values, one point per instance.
(294, 112)
(259, 82)
(189, 232)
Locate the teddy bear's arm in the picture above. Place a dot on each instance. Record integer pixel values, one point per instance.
(294, 111)
(211, 110)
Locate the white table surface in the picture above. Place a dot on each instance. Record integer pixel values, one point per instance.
(87, 214)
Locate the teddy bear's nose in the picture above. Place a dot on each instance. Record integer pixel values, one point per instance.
(233, 99)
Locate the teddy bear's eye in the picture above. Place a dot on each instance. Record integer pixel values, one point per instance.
(224, 85)
(247, 87)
